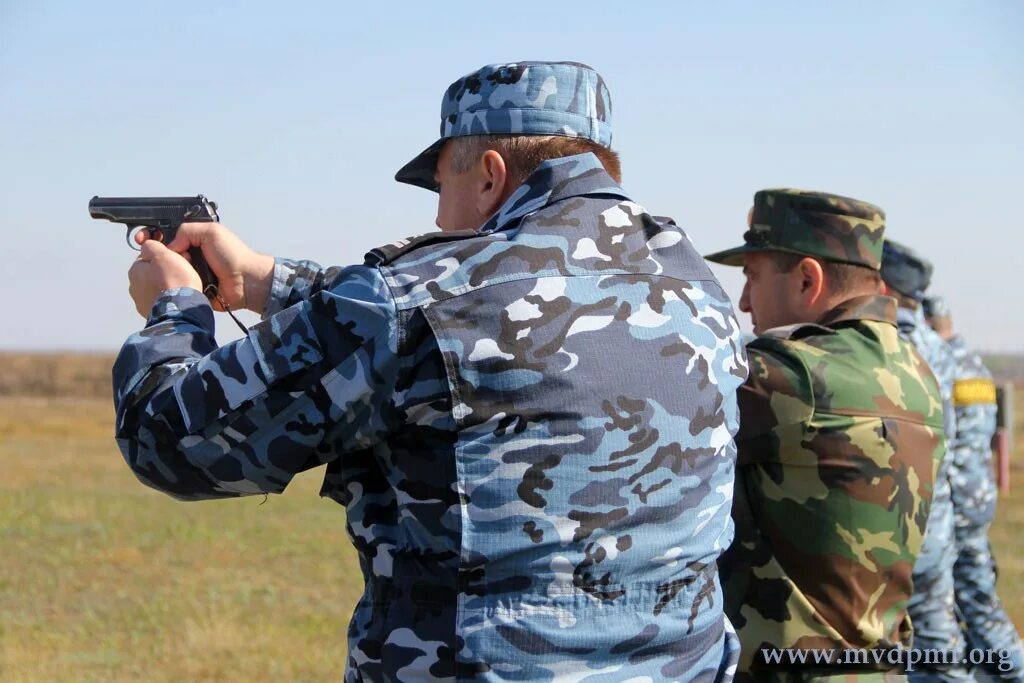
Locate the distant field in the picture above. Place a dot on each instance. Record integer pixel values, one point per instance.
(82, 375)
(102, 579)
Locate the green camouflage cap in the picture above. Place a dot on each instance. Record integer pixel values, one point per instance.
(819, 224)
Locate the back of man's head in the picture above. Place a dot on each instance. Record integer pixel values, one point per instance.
(938, 315)
(524, 153)
(906, 273)
(841, 280)
(528, 112)
(805, 253)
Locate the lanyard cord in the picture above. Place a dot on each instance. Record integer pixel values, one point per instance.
(212, 291)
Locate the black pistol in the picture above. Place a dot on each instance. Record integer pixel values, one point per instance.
(161, 217)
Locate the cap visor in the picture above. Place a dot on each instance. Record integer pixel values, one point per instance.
(735, 256)
(420, 171)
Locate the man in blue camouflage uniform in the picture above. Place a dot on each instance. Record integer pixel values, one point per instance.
(529, 416)
(973, 486)
(906, 276)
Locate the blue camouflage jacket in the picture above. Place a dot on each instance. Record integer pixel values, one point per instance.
(970, 469)
(530, 426)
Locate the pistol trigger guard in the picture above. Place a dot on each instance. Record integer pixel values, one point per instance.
(129, 237)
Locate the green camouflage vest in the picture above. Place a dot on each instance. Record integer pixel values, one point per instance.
(840, 438)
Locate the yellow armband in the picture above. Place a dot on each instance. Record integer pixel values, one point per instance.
(969, 392)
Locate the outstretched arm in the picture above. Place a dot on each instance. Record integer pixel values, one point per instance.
(247, 278)
(200, 421)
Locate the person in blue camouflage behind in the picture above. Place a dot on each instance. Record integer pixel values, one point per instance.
(906, 276)
(528, 416)
(973, 487)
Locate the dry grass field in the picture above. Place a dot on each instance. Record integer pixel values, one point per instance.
(102, 579)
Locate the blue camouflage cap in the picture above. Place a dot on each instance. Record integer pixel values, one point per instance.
(935, 306)
(905, 270)
(519, 98)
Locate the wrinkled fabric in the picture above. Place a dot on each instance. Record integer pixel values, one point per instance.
(530, 427)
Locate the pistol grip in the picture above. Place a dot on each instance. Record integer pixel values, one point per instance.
(205, 273)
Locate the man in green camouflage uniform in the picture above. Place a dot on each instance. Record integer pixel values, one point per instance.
(973, 491)
(840, 437)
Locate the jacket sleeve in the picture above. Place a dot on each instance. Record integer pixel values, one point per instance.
(775, 402)
(306, 384)
(295, 282)
(974, 403)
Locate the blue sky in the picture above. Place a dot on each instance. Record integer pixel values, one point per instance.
(295, 116)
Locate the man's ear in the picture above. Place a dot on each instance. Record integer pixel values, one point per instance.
(491, 183)
(812, 280)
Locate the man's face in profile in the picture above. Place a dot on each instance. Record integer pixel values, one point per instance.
(457, 195)
(770, 296)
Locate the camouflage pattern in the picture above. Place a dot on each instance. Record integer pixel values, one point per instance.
(935, 306)
(970, 466)
(530, 427)
(973, 488)
(519, 98)
(905, 270)
(819, 224)
(840, 437)
(932, 607)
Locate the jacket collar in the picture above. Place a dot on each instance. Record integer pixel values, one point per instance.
(868, 307)
(580, 175)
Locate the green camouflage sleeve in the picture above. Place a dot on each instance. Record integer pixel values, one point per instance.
(775, 399)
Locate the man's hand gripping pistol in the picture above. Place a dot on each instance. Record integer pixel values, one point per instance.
(161, 217)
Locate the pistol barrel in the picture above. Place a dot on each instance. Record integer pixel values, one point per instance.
(149, 210)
